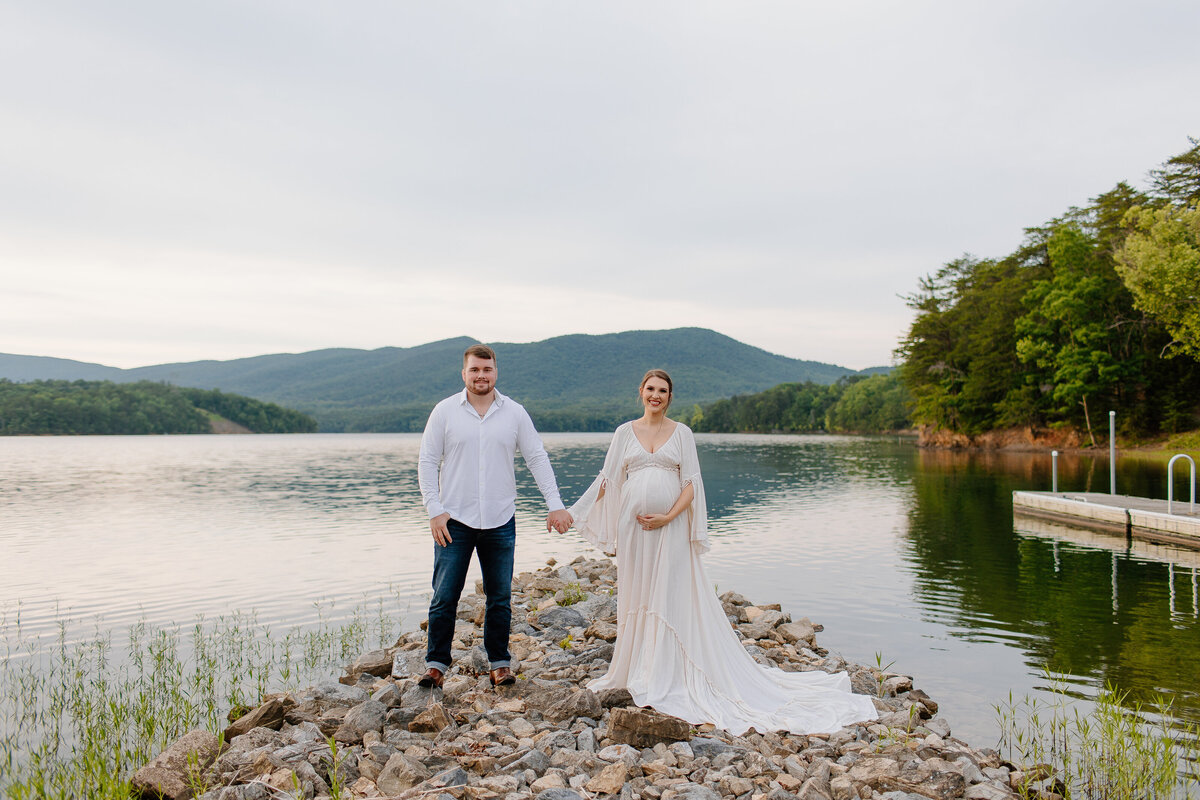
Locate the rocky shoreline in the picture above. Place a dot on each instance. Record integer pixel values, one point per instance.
(373, 733)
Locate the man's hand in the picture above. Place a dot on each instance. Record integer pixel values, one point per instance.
(441, 534)
(559, 520)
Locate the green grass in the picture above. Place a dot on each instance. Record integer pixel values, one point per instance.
(78, 716)
(1116, 750)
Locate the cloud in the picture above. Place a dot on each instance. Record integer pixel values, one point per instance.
(233, 178)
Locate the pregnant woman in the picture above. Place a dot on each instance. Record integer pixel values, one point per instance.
(675, 650)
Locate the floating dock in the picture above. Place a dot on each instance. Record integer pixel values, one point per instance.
(1138, 517)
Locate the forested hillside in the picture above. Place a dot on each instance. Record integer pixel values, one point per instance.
(1098, 310)
(853, 404)
(577, 382)
(104, 407)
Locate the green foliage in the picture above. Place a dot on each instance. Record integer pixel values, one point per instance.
(1073, 331)
(853, 404)
(79, 716)
(1110, 752)
(104, 407)
(1050, 335)
(1177, 181)
(871, 405)
(572, 593)
(1160, 264)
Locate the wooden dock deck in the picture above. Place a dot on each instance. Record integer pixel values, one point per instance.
(1139, 517)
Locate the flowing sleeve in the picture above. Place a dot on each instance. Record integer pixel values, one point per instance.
(596, 517)
(689, 472)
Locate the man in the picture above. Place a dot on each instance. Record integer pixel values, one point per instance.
(473, 437)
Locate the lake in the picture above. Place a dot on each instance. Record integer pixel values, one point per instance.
(912, 554)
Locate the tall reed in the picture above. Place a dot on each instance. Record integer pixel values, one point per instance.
(1109, 749)
(80, 714)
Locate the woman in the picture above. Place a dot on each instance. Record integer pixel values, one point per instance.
(675, 649)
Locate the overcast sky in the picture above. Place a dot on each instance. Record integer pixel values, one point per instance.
(217, 179)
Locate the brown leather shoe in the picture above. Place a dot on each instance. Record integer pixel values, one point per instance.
(502, 676)
(432, 679)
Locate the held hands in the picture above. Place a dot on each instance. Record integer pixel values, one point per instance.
(559, 520)
(441, 534)
(651, 522)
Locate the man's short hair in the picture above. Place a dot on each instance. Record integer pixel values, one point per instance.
(479, 351)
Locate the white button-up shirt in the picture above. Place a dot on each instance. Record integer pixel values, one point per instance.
(478, 486)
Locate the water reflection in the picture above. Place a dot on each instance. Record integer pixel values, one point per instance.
(1096, 608)
(909, 553)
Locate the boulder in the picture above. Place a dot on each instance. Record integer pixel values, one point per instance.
(612, 698)
(560, 617)
(566, 702)
(376, 662)
(609, 780)
(642, 727)
(167, 775)
(364, 717)
(269, 715)
(400, 773)
(434, 719)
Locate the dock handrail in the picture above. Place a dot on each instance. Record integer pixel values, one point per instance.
(1171, 481)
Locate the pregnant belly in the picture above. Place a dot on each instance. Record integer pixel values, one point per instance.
(650, 491)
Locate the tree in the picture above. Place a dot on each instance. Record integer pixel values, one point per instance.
(1160, 263)
(1178, 179)
(1071, 329)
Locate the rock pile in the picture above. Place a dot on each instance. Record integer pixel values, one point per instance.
(375, 734)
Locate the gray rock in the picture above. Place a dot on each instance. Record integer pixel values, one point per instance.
(377, 663)
(328, 694)
(613, 698)
(620, 752)
(245, 791)
(643, 727)
(559, 740)
(400, 773)
(408, 664)
(986, 791)
(476, 661)
(938, 726)
(560, 617)
(167, 773)
(793, 767)
(455, 776)
(586, 740)
(597, 607)
(366, 716)
(691, 791)
(565, 703)
(970, 770)
(391, 696)
(703, 747)
(602, 652)
(534, 760)
(560, 794)
(268, 715)
(399, 718)
(419, 697)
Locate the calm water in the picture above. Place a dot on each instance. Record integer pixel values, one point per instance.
(909, 553)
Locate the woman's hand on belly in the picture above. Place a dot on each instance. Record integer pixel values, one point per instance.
(649, 522)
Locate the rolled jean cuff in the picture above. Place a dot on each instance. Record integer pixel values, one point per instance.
(438, 666)
(499, 664)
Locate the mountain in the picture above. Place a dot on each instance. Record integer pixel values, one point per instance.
(575, 382)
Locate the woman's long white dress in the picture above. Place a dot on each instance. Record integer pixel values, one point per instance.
(675, 649)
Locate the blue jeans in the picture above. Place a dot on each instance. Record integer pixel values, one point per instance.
(495, 547)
